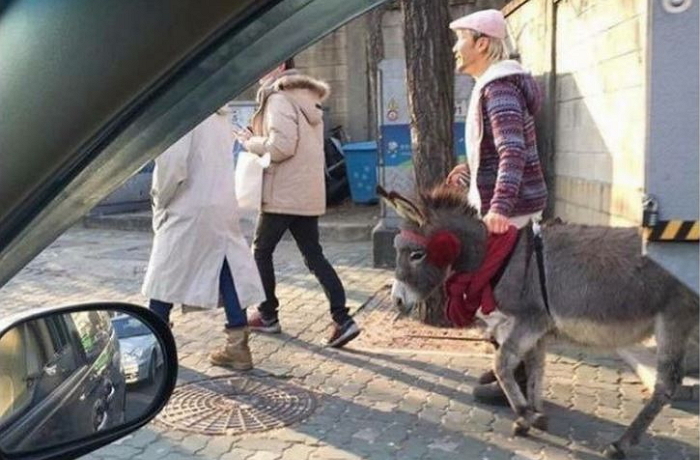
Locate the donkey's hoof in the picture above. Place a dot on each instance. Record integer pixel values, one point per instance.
(521, 427)
(614, 451)
(540, 421)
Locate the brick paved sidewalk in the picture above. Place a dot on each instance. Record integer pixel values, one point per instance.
(372, 403)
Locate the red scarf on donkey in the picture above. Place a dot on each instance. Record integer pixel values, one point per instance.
(468, 290)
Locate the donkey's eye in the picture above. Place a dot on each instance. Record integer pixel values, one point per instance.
(417, 255)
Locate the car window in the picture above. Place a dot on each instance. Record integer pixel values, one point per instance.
(57, 334)
(126, 327)
(61, 357)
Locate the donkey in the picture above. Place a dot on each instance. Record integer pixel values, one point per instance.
(591, 285)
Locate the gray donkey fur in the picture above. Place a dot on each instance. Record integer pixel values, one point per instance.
(602, 293)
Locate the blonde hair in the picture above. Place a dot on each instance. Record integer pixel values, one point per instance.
(496, 49)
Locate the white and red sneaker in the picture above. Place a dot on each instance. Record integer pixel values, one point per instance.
(257, 323)
(343, 334)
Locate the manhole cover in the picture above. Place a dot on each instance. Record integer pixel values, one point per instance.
(235, 405)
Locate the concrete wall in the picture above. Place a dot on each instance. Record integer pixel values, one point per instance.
(340, 60)
(392, 32)
(599, 124)
(529, 30)
(601, 101)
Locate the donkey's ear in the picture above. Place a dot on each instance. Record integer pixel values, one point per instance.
(403, 206)
(408, 210)
(383, 193)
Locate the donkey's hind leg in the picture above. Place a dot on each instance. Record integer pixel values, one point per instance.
(671, 337)
(521, 340)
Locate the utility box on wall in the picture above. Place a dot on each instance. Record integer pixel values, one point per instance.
(672, 172)
(395, 165)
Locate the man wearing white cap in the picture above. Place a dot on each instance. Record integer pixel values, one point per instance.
(505, 178)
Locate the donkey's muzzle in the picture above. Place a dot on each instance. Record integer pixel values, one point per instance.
(402, 297)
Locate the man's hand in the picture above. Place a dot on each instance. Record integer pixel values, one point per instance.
(459, 176)
(496, 223)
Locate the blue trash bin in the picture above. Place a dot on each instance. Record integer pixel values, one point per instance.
(361, 163)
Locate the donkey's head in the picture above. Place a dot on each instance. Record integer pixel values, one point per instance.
(441, 233)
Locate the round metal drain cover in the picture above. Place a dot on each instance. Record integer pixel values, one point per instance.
(235, 405)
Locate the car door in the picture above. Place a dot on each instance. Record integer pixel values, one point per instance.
(105, 386)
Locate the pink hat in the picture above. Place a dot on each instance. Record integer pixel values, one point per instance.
(488, 22)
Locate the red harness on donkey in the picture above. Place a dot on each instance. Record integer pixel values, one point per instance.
(466, 291)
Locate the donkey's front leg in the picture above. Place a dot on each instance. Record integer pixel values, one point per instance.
(534, 367)
(521, 341)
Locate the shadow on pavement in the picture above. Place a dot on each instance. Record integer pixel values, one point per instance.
(569, 429)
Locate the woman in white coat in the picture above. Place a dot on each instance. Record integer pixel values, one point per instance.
(198, 249)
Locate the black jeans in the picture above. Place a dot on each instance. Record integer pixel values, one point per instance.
(304, 229)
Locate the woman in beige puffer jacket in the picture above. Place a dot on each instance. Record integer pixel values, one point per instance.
(289, 126)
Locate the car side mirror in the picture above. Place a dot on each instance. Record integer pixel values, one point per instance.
(75, 378)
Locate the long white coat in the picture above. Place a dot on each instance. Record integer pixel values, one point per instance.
(196, 222)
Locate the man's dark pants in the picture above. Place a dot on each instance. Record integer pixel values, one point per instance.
(304, 229)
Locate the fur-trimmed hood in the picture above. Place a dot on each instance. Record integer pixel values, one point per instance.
(298, 81)
(305, 92)
(289, 126)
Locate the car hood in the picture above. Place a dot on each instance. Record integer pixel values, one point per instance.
(136, 345)
(91, 91)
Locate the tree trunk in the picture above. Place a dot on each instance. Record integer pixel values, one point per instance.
(375, 53)
(430, 81)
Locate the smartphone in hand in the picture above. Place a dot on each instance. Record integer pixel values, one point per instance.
(238, 127)
(242, 134)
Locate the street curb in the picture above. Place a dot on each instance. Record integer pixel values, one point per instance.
(125, 222)
(336, 232)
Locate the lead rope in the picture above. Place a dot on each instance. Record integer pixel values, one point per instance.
(539, 246)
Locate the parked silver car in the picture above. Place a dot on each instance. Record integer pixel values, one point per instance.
(140, 354)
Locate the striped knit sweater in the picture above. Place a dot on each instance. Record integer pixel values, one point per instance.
(510, 179)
